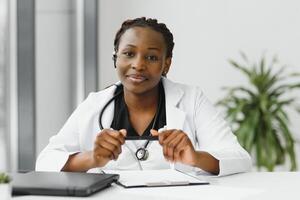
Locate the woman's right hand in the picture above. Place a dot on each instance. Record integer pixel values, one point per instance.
(107, 146)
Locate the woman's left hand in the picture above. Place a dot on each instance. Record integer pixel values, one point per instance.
(177, 147)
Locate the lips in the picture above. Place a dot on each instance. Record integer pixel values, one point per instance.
(136, 78)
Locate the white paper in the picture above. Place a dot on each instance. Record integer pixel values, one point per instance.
(154, 177)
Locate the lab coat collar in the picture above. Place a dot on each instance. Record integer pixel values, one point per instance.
(173, 94)
(175, 116)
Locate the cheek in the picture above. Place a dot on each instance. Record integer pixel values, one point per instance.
(156, 70)
(120, 72)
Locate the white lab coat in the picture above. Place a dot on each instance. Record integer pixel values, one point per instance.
(186, 109)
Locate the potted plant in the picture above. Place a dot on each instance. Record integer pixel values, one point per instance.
(5, 188)
(258, 112)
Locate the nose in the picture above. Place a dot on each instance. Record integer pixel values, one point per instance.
(138, 63)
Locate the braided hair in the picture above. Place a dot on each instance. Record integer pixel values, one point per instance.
(151, 23)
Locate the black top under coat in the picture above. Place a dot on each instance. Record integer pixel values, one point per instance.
(121, 114)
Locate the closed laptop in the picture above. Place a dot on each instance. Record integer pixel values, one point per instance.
(60, 183)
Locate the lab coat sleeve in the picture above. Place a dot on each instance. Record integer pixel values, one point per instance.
(65, 143)
(215, 137)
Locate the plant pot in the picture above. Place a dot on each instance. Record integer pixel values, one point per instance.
(5, 191)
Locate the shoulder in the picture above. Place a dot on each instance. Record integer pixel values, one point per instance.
(97, 98)
(186, 90)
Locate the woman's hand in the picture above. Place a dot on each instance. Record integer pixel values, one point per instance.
(107, 146)
(177, 147)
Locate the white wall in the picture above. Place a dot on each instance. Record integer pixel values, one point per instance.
(54, 67)
(207, 33)
(3, 84)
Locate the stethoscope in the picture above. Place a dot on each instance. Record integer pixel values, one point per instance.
(141, 153)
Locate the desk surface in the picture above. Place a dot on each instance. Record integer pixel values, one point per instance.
(253, 185)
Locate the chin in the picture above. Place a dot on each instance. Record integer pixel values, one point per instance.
(138, 90)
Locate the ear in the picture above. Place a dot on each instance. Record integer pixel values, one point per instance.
(166, 68)
(114, 58)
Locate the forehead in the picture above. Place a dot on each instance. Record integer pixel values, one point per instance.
(142, 36)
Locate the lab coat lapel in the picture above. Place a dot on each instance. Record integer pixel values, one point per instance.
(108, 115)
(175, 116)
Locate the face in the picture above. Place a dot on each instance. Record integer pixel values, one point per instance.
(141, 60)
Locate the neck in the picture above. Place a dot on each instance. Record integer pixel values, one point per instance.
(142, 102)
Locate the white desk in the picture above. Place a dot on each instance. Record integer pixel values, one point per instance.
(254, 186)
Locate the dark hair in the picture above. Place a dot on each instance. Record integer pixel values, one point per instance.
(151, 23)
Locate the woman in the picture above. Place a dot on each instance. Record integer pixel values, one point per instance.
(191, 134)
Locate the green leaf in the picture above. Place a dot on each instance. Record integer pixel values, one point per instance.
(241, 68)
(243, 55)
(4, 178)
(289, 143)
(257, 112)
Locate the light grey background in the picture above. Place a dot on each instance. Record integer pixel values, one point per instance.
(55, 67)
(3, 72)
(206, 32)
(209, 32)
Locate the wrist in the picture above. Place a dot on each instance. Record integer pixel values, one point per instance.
(91, 160)
(196, 157)
(97, 161)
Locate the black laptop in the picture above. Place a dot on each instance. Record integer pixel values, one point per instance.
(60, 183)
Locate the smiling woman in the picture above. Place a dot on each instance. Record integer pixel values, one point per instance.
(141, 48)
(191, 132)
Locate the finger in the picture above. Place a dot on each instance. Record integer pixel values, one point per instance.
(185, 142)
(115, 148)
(181, 147)
(108, 141)
(178, 147)
(171, 136)
(109, 138)
(165, 152)
(123, 132)
(111, 147)
(172, 145)
(164, 134)
(118, 135)
(154, 132)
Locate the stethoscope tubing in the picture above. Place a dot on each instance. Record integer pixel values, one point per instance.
(148, 138)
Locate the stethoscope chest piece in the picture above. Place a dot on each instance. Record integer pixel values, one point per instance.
(142, 153)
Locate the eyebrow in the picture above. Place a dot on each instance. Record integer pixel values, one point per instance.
(150, 48)
(154, 48)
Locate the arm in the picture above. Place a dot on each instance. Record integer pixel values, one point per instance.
(215, 150)
(80, 162)
(67, 145)
(106, 147)
(206, 162)
(214, 136)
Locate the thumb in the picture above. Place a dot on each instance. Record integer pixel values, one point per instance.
(123, 132)
(154, 132)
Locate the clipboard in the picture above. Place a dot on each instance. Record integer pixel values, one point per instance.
(162, 184)
(156, 178)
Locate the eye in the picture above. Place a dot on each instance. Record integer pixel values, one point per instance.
(128, 54)
(152, 58)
